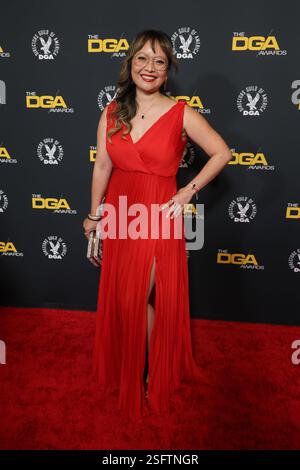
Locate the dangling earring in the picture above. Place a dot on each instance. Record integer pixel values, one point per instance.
(165, 87)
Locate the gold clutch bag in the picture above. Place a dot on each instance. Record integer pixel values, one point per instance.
(95, 249)
(95, 243)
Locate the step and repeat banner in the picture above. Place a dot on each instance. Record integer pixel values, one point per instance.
(239, 68)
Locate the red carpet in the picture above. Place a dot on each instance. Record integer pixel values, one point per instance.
(251, 401)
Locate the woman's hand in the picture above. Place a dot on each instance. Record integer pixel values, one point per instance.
(89, 226)
(176, 203)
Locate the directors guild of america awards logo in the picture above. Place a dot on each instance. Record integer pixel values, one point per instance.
(252, 101)
(106, 95)
(50, 151)
(3, 201)
(54, 247)
(242, 209)
(294, 261)
(186, 43)
(45, 45)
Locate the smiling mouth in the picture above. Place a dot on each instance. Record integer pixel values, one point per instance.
(148, 78)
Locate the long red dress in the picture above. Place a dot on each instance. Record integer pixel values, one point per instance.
(144, 172)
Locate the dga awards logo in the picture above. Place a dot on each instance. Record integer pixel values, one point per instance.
(106, 95)
(251, 160)
(54, 247)
(252, 101)
(50, 151)
(294, 261)
(3, 201)
(5, 156)
(8, 248)
(92, 153)
(292, 211)
(186, 43)
(54, 103)
(58, 205)
(45, 45)
(115, 47)
(195, 102)
(242, 209)
(246, 261)
(263, 45)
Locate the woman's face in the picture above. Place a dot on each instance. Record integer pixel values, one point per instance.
(148, 68)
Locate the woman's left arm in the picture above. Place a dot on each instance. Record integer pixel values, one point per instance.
(199, 130)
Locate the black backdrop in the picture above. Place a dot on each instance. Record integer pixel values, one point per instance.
(247, 88)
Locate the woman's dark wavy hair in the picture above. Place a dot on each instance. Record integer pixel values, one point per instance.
(126, 89)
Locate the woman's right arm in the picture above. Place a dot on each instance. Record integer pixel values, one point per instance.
(102, 166)
(101, 173)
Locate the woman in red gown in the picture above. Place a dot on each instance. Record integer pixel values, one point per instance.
(139, 148)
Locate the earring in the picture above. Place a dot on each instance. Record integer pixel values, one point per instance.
(165, 85)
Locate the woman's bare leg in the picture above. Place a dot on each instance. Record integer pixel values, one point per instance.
(150, 309)
(150, 315)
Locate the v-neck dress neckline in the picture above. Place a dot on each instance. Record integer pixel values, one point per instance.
(166, 113)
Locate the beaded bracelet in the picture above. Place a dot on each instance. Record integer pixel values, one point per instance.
(94, 217)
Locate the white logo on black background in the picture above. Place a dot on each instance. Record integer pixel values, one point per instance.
(252, 101)
(45, 45)
(294, 261)
(50, 151)
(54, 247)
(186, 42)
(106, 95)
(242, 209)
(3, 201)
